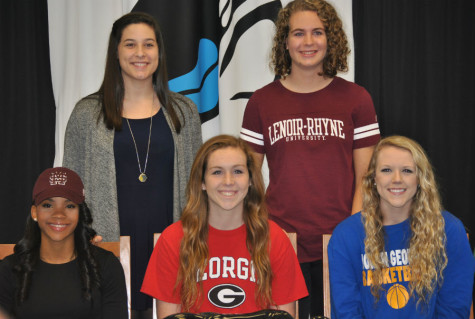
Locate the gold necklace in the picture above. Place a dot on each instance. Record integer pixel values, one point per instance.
(142, 176)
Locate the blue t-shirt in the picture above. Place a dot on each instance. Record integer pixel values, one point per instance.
(351, 274)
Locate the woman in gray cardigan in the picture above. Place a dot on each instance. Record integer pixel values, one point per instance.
(133, 143)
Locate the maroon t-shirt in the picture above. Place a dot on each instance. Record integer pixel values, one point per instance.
(308, 139)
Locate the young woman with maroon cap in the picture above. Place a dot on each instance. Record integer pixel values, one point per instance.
(55, 271)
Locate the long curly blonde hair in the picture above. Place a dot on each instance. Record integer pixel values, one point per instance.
(337, 44)
(194, 246)
(427, 255)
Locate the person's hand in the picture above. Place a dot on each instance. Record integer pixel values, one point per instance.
(96, 240)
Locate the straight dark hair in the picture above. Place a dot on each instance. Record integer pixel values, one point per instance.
(111, 92)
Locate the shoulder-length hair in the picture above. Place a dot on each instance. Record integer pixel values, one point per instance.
(337, 44)
(427, 255)
(194, 246)
(111, 92)
(28, 252)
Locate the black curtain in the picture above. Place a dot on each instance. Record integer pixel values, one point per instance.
(417, 60)
(27, 107)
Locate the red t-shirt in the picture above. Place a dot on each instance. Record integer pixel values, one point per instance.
(229, 282)
(308, 139)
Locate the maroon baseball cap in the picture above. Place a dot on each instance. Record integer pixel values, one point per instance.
(58, 182)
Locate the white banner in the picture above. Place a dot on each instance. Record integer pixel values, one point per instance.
(79, 32)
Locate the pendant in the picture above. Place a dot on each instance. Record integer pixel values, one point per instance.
(143, 177)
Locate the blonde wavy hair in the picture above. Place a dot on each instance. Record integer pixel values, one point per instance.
(337, 44)
(427, 255)
(194, 246)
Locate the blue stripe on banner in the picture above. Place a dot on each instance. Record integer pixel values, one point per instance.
(201, 84)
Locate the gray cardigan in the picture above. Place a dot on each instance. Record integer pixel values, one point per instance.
(89, 150)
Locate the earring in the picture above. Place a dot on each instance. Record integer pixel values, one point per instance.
(35, 219)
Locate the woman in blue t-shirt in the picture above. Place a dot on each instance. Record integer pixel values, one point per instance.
(403, 256)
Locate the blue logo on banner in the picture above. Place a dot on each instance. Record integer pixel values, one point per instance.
(201, 84)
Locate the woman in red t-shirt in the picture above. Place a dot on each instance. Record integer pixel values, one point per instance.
(224, 255)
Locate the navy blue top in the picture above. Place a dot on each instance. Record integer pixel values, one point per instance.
(144, 208)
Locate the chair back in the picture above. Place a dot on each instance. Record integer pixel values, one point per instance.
(471, 308)
(5, 250)
(155, 239)
(121, 249)
(293, 241)
(326, 277)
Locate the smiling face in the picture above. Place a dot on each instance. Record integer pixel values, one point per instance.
(226, 181)
(307, 41)
(57, 218)
(396, 183)
(138, 52)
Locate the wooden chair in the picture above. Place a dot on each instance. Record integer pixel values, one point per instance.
(471, 308)
(326, 278)
(293, 241)
(155, 239)
(5, 250)
(121, 249)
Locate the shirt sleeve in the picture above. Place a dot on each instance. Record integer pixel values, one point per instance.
(288, 284)
(75, 141)
(113, 290)
(366, 131)
(455, 296)
(162, 270)
(251, 130)
(196, 137)
(187, 145)
(345, 294)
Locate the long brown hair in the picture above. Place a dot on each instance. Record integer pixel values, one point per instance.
(111, 92)
(194, 246)
(427, 255)
(337, 44)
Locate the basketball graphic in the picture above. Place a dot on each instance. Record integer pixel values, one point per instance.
(397, 296)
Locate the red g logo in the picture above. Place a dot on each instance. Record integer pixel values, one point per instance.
(226, 296)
